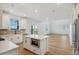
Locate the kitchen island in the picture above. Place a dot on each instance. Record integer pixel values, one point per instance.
(38, 44)
(8, 48)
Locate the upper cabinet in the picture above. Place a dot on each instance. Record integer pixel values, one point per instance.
(75, 11)
(5, 19)
(1, 17)
(22, 23)
(14, 22)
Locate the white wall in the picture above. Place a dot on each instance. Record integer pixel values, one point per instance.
(44, 28)
(60, 26)
(29, 23)
(54, 26)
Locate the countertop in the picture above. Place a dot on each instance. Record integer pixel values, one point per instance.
(6, 46)
(39, 37)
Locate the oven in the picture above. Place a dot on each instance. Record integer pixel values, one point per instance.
(35, 42)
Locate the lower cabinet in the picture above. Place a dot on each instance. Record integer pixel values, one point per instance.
(27, 43)
(40, 47)
(17, 38)
(35, 50)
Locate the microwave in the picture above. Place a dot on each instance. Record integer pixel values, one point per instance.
(35, 42)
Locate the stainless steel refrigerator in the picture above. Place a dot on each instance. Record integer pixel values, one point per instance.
(76, 36)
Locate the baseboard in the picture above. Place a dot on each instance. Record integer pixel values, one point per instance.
(56, 34)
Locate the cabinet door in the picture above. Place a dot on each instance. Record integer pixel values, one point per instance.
(44, 46)
(22, 24)
(16, 38)
(27, 43)
(5, 19)
(1, 18)
(35, 49)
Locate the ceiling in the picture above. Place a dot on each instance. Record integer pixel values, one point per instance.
(41, 11)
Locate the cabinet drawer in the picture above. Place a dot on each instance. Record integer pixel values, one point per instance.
(35, 50)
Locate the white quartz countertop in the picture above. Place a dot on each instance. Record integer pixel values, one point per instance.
(39, 37)
(6, 46)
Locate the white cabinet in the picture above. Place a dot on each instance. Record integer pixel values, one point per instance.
(40, 47)
(44, 46)
(5, 22)
(26, 43)
(17, 38)
(75, 11)
(1, 11)
(22, 24)
(35, 50)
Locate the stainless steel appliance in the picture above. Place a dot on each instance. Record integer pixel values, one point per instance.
(35, 42)
(76, 36)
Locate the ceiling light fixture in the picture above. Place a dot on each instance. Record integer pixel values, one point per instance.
(36, 11)
(46, 18)
(58, 3)
(22, 3)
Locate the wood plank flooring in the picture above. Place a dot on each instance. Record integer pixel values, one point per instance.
(57, 45)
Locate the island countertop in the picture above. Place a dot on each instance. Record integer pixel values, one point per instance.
(39, 37)
(6, 46)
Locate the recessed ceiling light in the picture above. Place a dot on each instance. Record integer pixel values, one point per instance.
(46, 18)
(22, 3)
(58, 3)
(36, 11)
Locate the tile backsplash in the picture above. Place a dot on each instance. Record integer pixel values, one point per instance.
(6, 31)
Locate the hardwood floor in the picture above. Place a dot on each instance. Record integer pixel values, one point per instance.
(57, 45)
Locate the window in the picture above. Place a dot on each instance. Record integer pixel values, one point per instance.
(13, 23)
(34, 29)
